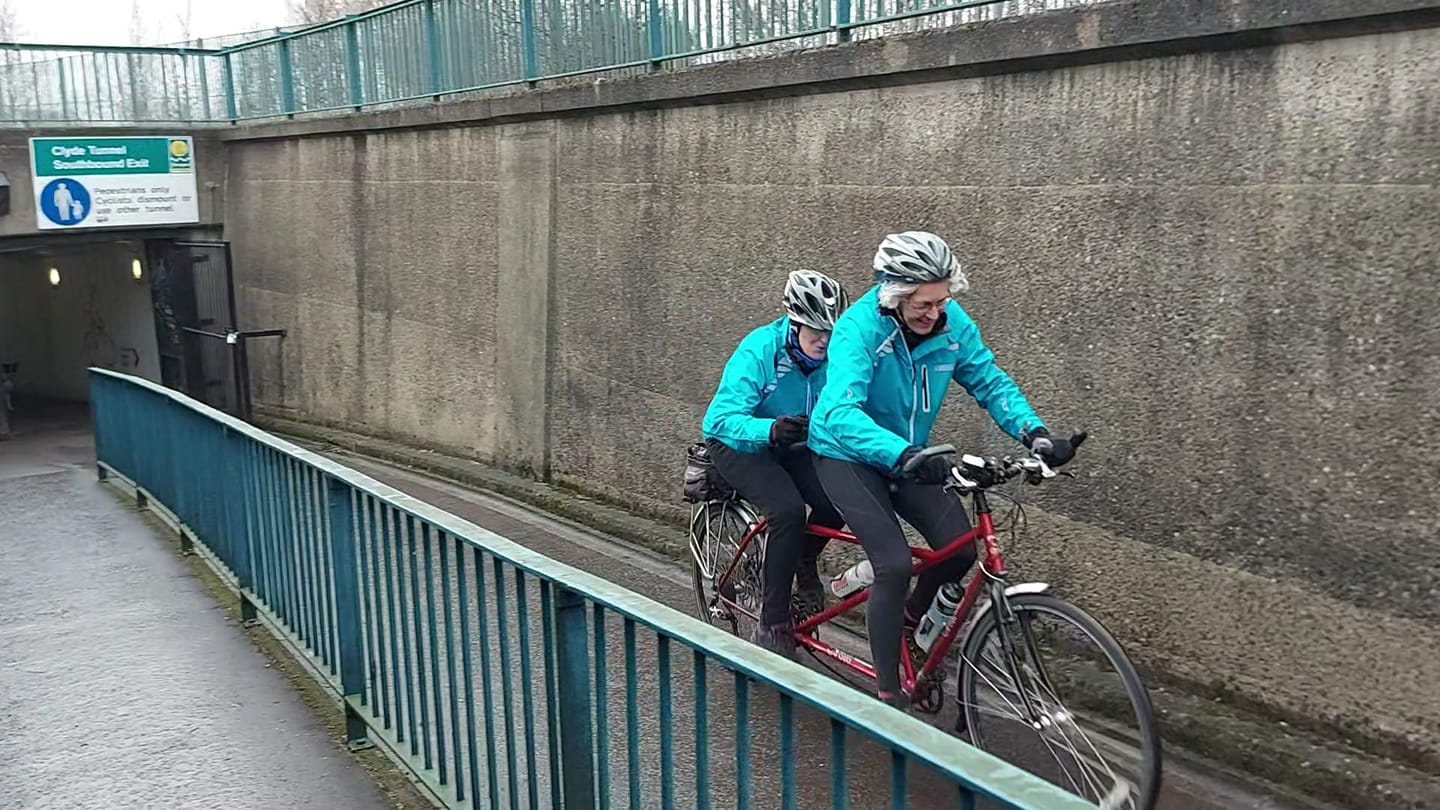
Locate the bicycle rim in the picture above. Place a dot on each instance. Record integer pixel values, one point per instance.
(1064, 703)
(716, 530)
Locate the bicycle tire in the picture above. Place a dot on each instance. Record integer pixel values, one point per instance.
(732, 521)
(1149, 771)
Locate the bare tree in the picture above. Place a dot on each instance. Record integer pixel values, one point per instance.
(138, 30)
(183, 20)
(310, 12)
(9, 21)
(12, 85)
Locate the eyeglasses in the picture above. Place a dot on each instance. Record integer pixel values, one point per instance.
(936, 306)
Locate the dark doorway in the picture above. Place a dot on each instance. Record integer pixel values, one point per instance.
(201, 353)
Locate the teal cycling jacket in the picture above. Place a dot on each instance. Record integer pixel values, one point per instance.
(881, 398)
(760, 382)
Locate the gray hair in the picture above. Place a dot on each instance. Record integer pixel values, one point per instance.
(892, 293)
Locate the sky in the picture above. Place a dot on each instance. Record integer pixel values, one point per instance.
(107, 22)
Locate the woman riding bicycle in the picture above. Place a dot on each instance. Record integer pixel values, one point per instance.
(892, 357)
(755, 429)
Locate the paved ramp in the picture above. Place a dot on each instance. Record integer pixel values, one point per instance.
(123, 684)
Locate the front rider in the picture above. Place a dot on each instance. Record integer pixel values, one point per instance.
(891, 360)
(755, 429)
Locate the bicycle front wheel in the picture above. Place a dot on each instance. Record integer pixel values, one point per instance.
(1048, 689)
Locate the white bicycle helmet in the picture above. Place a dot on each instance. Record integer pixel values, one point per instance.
(814, 299)
(915, 257)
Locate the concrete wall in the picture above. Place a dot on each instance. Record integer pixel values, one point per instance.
(390, 294)
(1216, 255)
(24, 320)
(98, 316)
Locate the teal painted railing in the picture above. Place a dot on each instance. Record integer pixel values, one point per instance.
(417, 50)
(501, 677)
(65, 84)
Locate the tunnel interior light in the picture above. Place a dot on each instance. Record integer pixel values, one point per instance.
(54, 277)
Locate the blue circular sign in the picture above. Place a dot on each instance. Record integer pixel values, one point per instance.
(65, 201)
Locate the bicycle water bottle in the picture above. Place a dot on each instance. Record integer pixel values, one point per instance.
(858, 576)
(941, 611)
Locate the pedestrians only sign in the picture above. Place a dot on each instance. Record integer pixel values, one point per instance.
(114, 182)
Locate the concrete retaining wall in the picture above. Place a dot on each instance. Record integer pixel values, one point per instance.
(1207, 232)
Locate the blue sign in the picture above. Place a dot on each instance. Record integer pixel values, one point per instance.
(65, 201)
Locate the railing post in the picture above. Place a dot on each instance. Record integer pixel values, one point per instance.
(181, 436)
(352, 66)
(237, 522)
(842, 20)
(64, 94)
(131, 62)
(347, 609)
(432, 48)
(231, 108)
(527, 40)
(577, 740)
(287, 80)
(657, 34)
(203, 62)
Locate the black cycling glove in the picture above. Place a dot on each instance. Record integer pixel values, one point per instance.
(788, 430)
(933, 470)
(1052, 451)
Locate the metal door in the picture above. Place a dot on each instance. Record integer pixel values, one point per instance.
(195, 326)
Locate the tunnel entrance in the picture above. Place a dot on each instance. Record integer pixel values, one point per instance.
(158, 308)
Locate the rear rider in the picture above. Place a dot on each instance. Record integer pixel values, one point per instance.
(893, 357)
(755, 429)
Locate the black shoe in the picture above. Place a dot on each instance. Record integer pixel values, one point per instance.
(899, 700)
(809, 592)
(777, 638)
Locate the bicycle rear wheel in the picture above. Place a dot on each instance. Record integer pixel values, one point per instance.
(1051, 691)
(716, 530)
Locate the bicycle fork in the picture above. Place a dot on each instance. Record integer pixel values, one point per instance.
(1011, 629)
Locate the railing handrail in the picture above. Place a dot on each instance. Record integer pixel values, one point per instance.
(168, 50)
(979, 771)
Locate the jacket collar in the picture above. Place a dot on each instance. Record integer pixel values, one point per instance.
(939, 337)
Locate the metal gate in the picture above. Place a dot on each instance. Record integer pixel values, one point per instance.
(194, 296)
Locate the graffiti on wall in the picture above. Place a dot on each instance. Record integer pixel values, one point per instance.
(99, 345)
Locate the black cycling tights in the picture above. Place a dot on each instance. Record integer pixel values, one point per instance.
(863, 496)
(779, 483)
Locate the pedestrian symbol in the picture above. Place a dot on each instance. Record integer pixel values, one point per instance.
(65, 201)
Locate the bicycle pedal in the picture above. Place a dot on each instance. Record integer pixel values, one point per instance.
(928, 697)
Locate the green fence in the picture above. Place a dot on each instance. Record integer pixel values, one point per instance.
(418, 50)
(59, 84)
(501, 677)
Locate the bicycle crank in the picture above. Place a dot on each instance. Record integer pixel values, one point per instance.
(929, 696)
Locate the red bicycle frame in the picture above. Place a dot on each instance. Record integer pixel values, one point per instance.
(993, 567)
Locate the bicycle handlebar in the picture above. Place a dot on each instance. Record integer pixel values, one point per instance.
(927, 453)
(975, 472)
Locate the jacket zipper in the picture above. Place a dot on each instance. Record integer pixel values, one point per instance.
(924, 388)
(914, 395)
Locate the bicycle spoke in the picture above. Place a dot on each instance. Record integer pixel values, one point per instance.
(1021, 720)
(1047, 648)
(1080, 758)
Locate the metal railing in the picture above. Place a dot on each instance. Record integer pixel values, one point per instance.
(420, 50)
(69, 84)
(498, 676)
